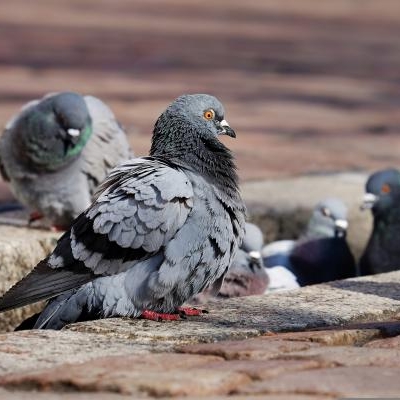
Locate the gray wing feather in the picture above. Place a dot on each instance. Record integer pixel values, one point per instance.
(135, 215)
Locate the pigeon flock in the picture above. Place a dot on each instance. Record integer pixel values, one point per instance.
(147, 237)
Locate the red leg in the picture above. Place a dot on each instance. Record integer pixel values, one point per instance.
(155, 316)
(190, 311)
(34, 216)
(57, 228)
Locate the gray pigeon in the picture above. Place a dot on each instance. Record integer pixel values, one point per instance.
(247, 275)
(321, 254)
(57, 150)
(160, 230)
(382, 253)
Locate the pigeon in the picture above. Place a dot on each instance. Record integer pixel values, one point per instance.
(321, 254)
(57, 150)
(382, 253)
(246, 275)
(160, 229)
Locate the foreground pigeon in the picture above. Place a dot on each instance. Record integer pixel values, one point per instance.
(247, 275)
(57, 150)
(161, 229)
(321, 254)
(382, 253)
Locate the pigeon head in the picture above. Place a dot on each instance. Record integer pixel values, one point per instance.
(382, 191)
(329, 219)
(188, 132)
(55, 130)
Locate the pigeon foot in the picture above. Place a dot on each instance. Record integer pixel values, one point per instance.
(155, 316)
(34, 216)
(190, 311)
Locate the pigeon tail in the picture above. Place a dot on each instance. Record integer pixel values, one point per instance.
(43, 283)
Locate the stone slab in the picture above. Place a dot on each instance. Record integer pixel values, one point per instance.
(154, 375)
(360, 381)
(20, 250)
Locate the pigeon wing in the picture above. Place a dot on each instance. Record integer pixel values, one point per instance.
(139, 208)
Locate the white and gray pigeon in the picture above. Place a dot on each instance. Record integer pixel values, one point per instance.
(321, 254)
(57, 150)
(160, 230)
(247, 275)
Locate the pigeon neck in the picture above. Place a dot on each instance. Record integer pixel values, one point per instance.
(205, 155)
(389, 218)
(58, 154)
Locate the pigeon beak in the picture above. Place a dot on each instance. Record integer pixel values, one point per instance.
(369, 201)
(73, 132)
(225, 129)
(255, 255)
(341, 226)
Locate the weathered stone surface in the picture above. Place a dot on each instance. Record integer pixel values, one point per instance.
(389, 343)
(23, 395)
(33, 350)
(335, 337)
(155, 375)
(20, 250)
(376, 382)
(167, 334)
(258, 369)
(261, 348)
(346, 356)
(20, 395)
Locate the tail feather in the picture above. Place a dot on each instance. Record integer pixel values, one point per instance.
(43, 283)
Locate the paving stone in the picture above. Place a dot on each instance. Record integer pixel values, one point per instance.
(38, 349)
(347, 356)
(358, 381)
(164, 333)
(261, 348)
(263, 369)
(153, 374)
(337, 337)
(388, 343)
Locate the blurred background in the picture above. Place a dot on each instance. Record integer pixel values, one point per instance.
(310, 87)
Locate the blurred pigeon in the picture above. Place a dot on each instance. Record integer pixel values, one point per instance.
(161, 228)
(382, 253)
(321, 254)
(246, 276)
(57, 150)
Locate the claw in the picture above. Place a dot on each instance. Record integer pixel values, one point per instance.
(190, 311)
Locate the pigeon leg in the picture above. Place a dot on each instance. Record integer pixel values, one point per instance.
(57, 228)
(190, 311)
(155, 316)
(34, 216)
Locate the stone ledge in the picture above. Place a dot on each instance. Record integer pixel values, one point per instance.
(120, 357)
(20, 250)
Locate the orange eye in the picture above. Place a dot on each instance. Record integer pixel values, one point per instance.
(209, 114)
(385, 188)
